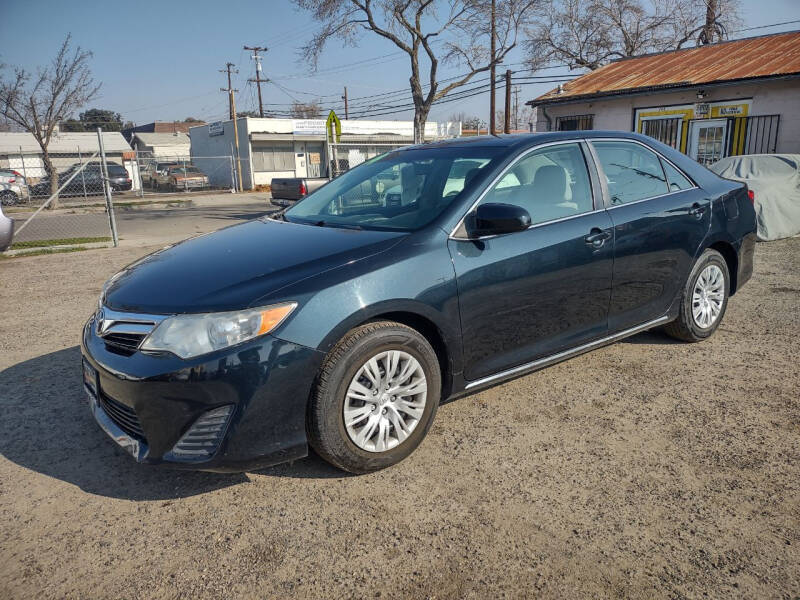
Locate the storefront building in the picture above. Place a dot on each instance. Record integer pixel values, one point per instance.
(271, 148)
(730, 98)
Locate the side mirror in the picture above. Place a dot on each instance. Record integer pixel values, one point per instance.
(495, 219)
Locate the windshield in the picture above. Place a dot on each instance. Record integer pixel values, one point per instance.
(399, 191)
(184, 170)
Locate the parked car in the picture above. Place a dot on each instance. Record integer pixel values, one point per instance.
(180, 177)
(774, 182)
(88, 181)
(343, 321)
(6, 230)
(13, 187)
(288, 190)
(150, 170)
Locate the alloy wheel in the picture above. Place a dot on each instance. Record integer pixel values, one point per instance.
(708, 296)
(385, 401)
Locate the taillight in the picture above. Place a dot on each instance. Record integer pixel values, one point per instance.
(17, 174)
(302, 189)
(751, 194)
(12, 179)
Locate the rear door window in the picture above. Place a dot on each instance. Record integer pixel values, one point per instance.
(632, 171)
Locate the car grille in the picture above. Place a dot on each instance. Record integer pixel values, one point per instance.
(124, 332)
(124, 416)
(123, 343)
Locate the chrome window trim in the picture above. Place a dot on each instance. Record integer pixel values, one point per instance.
(602, 173)
(452, 235)
(553, 358)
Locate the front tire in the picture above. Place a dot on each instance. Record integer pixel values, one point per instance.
(8, 198)
(704, 300)
(376, 397)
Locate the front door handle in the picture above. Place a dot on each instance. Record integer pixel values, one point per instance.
(597, 237)
(697, 210)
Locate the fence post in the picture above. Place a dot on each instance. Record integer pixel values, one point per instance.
(24, 172)
(233, 176)
(83, 179)
(139, 174)
(107, 189)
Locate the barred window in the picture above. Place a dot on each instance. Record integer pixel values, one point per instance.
(574, 123)
(275, 157)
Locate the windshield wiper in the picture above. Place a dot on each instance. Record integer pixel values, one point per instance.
(339, 225)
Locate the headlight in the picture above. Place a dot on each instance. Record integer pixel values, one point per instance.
(192, 335)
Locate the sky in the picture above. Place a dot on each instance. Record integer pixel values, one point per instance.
(161, 60)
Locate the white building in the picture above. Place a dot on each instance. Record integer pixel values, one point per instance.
(297, 147)
(21, 152)
(729, 98)
(162, 145)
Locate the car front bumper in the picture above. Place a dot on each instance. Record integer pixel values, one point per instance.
(147, 402)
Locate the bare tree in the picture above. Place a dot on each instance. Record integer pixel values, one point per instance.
(37, 103)
(587, 34)
(306, 110)
(417, 27)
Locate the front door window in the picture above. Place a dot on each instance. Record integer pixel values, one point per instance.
(707, 140)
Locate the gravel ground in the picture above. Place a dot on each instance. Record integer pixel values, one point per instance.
(647, 469)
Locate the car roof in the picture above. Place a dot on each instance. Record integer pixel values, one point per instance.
(521, 140)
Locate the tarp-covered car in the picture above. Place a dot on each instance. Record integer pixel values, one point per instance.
(774, 180)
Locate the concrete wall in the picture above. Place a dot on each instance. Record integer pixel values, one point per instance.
(770, 97)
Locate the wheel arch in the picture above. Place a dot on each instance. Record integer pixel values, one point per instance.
(417, 317)
(728, 252)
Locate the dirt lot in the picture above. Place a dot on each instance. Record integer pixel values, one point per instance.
(648, 469)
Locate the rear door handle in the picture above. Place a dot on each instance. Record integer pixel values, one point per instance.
(697, 210)
(597, 237)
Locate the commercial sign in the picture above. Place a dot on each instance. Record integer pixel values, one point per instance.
(308, 126)
(216, 128)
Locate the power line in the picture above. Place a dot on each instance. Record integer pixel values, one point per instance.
(448, 98)
(766, 26)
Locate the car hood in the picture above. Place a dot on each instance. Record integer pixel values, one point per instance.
(232, 268)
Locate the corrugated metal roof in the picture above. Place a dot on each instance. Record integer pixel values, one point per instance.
(763, 56)
(10, 142)
(163, 139)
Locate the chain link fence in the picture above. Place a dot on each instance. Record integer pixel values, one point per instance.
(78, 184)
(174, 174)
(346, 154)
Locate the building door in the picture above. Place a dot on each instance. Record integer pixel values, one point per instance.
(707, 140)
(314, 159)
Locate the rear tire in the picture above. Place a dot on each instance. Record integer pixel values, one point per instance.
(704, 299)
(386, 376)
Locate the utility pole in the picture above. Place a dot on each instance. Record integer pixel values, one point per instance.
(346, 113)
(507, 121)
(229, 89)
(232, 109)
(516, 108)
(492, 128)
(258, 80)
(236, 139)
